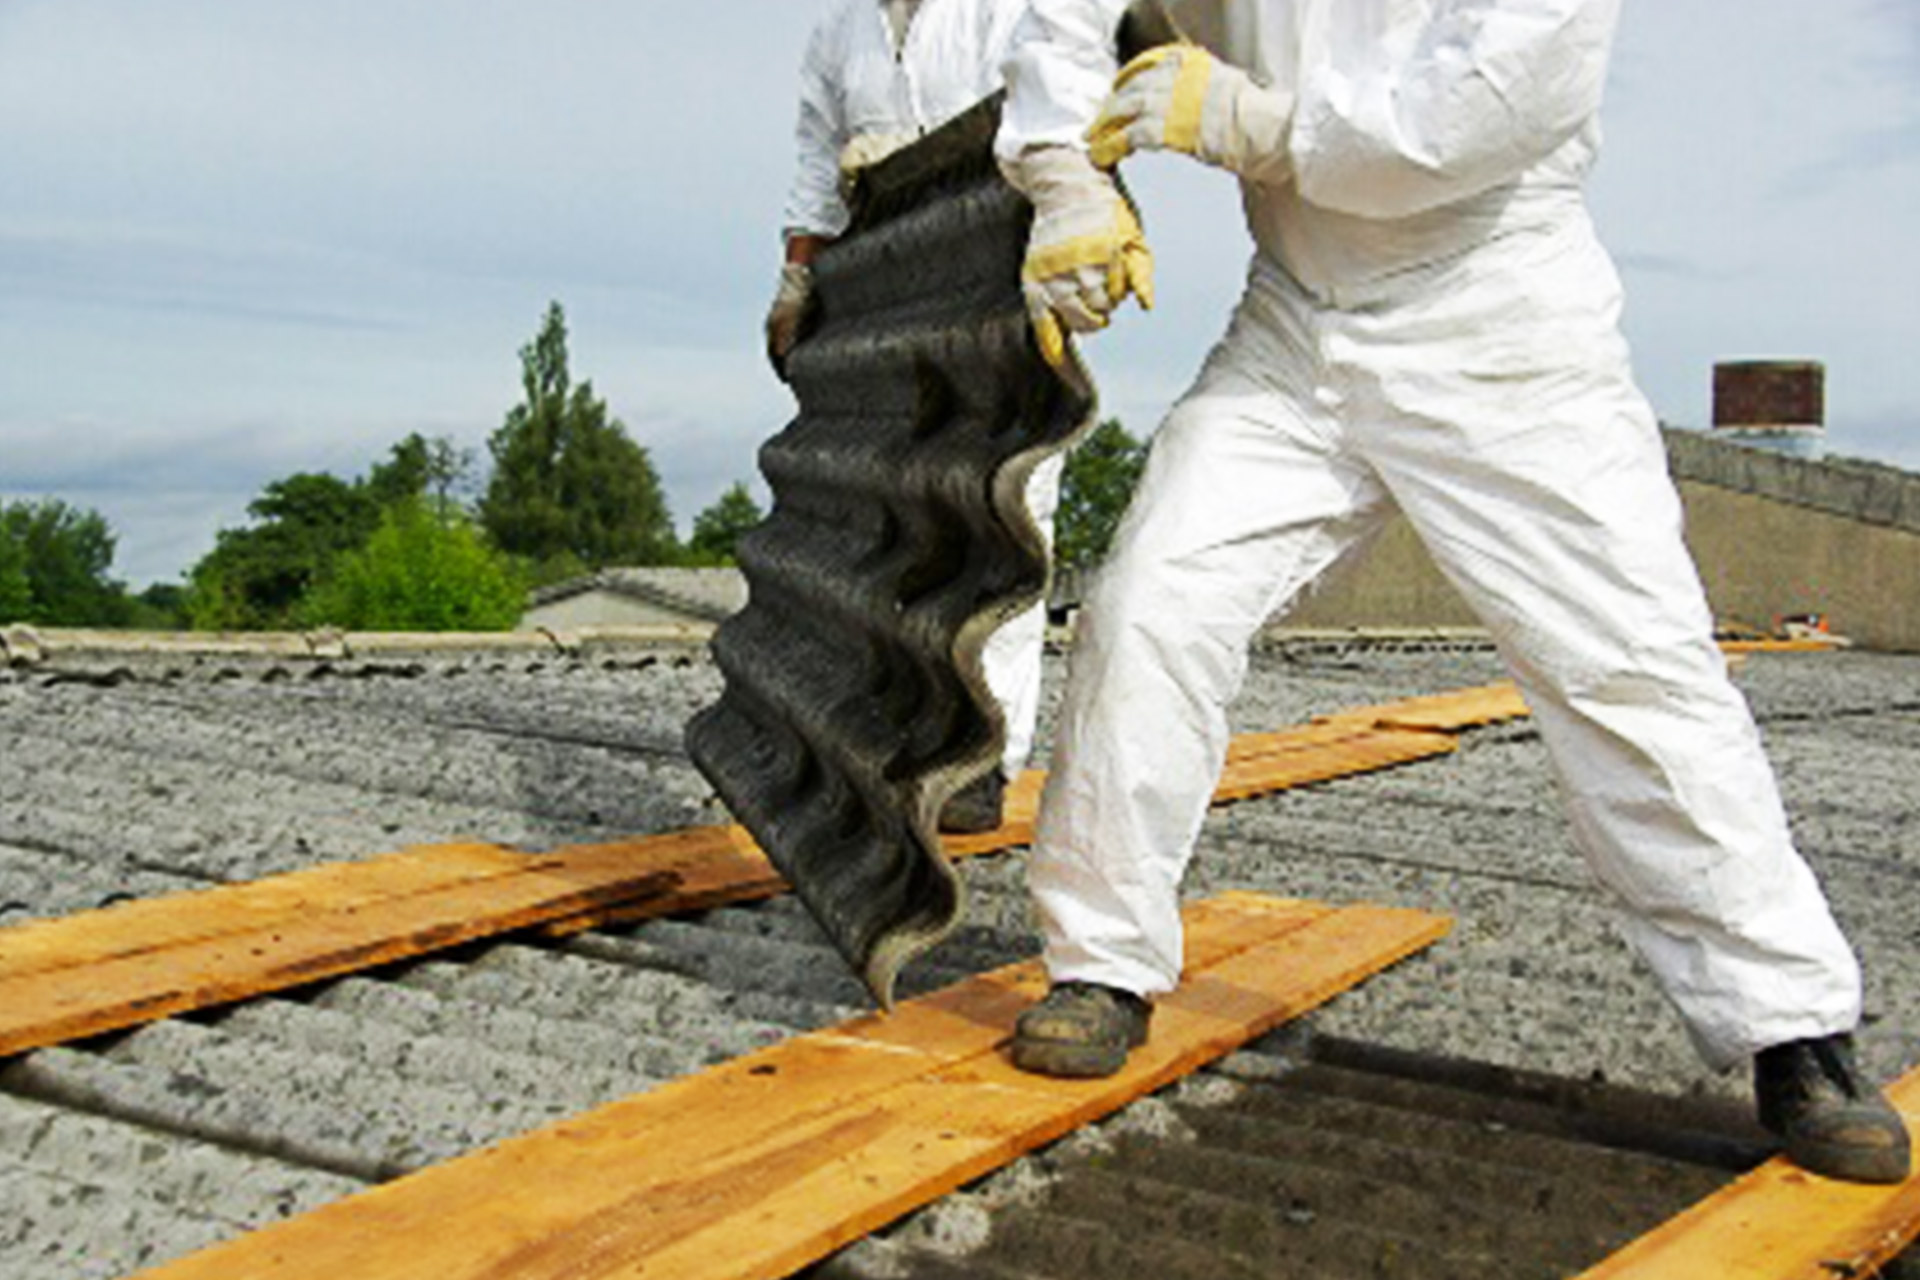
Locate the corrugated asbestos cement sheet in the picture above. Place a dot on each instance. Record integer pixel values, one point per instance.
(898, 540)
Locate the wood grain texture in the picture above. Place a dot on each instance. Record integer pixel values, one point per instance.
(1781, 1223)
(759, 1166)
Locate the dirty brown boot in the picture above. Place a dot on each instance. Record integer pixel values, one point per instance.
(1081, 1029)
(975, 807)
(1831, 1120)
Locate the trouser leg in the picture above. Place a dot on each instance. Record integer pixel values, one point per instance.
(1550, 507)
(1243, 500)
(1011, 658)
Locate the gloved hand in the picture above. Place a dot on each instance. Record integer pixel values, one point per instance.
(789, 311)
(865, 151)
(1086, 252)
(1181, 98)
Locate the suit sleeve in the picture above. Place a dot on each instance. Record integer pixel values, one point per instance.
(1489, 89)
(814, 205)
(1059, 70)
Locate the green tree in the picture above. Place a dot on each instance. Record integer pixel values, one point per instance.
(160, 607)
(422, 570)
(570, 488)
(16, 593)
(63, 553)
(255, 576)
(717, 530)
(420, 466)
(1100, 476)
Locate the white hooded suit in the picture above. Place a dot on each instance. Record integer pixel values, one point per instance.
(1430, 325)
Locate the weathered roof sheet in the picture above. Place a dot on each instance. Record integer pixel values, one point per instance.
(898, 539)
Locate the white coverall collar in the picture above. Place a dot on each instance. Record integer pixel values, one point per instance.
(899, 14)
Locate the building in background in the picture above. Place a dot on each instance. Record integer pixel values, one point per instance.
(637, 597)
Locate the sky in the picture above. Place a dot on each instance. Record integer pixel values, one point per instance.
(245, 238)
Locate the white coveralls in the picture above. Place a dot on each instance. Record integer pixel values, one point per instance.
(855, 82)
(1430, 324)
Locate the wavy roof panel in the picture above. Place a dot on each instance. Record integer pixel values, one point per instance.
(897, 541)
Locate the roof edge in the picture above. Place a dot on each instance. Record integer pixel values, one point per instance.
(1870, 492)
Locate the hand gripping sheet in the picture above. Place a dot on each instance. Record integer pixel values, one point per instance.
(898, 540)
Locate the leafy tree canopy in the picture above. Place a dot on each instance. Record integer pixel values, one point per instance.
(1100, 477)
(570, 489)
(53, 569)
(424, 569)
(160, 607)
(256, 576)
(16, 593)
(717, 530)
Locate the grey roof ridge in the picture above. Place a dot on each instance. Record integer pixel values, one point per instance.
(620, 583)
(23, 645)
(1870, 492)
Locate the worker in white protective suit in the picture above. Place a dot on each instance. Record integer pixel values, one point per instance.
(1429, 325)
(877, 75)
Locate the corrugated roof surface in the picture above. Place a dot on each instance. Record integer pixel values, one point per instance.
(140, 1146)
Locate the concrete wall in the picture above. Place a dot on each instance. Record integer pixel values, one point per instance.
(1761, 559)
(1393, 583)
(1772, 536)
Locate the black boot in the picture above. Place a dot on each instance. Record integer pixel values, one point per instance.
(975, 807)
(1830, 1119)
(1081, 1029)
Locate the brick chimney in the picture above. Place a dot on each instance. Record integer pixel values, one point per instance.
(1772, 404)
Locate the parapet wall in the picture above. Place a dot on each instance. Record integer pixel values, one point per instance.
(1773, 536)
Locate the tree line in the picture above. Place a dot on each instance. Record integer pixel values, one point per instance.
(416, 543)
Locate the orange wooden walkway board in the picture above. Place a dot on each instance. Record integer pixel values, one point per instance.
(1781, 1223)
(762, 1165)
(106, 970)
(1447, 712)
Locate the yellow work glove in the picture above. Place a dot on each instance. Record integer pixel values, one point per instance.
(1086, 252)
(1181, 98)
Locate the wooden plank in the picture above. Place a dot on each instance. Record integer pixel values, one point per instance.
(1781, 646)
(714, 866)
(1448, 712)
(105, 970)
(150, 924)
(760, 1166)
(1782, 1223)
(50, 1006)
(1362, 752)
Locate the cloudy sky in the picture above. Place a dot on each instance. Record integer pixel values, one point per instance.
(244, 238)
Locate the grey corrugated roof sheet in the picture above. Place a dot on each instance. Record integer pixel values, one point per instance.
(140, 1146)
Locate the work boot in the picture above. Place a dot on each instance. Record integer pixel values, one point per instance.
(1081, 1029)
(1830, 1119)
(975, 807)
